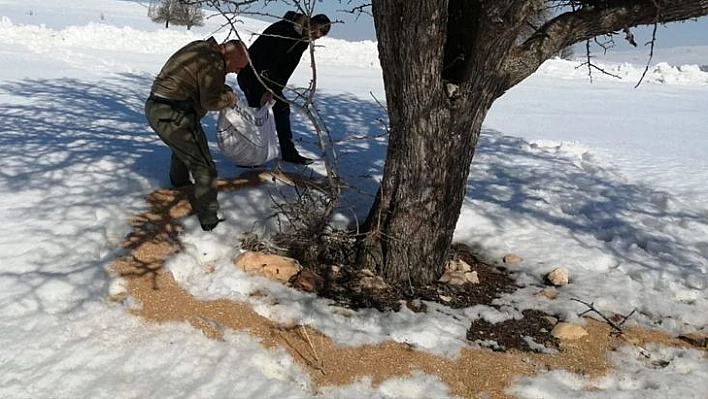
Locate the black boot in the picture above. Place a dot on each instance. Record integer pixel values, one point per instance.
(209, 223)
(295, 157)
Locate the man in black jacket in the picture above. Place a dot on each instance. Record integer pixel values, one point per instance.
(275, 55)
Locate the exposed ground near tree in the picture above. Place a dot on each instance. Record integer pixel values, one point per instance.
(475, 372)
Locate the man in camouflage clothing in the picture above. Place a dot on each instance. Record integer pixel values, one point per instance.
(191, 83)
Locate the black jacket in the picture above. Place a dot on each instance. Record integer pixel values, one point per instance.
(275, 55)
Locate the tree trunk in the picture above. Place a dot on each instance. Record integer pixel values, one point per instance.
(411, 224)
(430, 149)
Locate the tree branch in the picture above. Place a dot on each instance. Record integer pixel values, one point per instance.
(589, 21)
(617, 328)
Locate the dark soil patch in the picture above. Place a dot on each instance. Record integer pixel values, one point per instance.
(527, 333)
(344, 286)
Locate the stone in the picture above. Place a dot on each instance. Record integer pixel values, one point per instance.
(306, 280)
(458, 265)
(558, 277)
(549, 293)
(274, 267)
(458, 278)
(567, 331)
(472, 277)
(373, 283)
(445, 298)
(511, 259)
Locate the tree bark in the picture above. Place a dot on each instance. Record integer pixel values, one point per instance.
(430, 149)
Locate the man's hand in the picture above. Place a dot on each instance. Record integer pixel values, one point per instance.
(233, 98)
(266, 97)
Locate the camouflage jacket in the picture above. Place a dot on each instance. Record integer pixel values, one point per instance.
(197, 73)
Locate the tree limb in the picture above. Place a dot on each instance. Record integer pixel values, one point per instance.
(588, 21)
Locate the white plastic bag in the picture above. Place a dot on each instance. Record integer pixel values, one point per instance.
(247, 135)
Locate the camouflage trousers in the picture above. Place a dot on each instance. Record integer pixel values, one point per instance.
(178, 125)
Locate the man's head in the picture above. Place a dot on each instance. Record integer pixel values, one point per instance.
(235, 55)
(319, 26)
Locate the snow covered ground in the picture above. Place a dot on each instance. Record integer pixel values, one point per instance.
(601, 178)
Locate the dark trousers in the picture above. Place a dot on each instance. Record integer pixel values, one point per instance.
(181, 130)
(281, 111)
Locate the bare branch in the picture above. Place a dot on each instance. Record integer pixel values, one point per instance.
(651, 43)
(589, 19)
(359, 10)
(591, 308)
(592, 66)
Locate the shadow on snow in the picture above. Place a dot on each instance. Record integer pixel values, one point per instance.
(597, 207)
